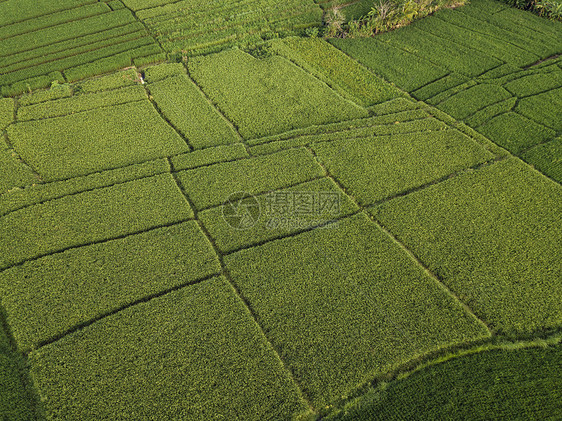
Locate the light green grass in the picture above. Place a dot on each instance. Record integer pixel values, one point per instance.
(499, 384)
(212, 185)
(515, 132)
(372, 169)
(95, 140)
(547, 158)
(337, 69)
(89, 282)
(186, 107)
(195, 354)
(269, 96)
(326, 308)
(393, 64)
(493, 236)
(92, 216)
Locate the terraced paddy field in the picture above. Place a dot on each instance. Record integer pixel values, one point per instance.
(324, 229)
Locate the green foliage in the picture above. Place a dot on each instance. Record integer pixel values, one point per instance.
(14, 173)
(79, 103)
(162, 71)
(531, 84)
(15, 400)
(471, 100)
(274, 223)
(83, 143)
(92, 216)
(498, 384)
(440, 85)
(55, 92)
(406, 70)
(17, 11)
(515, 133)
(32, 194)
(121, 271)
(550, 8)
(337, 69)
(482, 116)
(543, 108)
(6, 112)
(209, 156)
(264, 97)
(83, 41)
(212, 185)
(195, 353)
(547, 158)
(326, 308)
(493, 237)
(374, 169)
(192, 27)
(113, 81)
(186, 107)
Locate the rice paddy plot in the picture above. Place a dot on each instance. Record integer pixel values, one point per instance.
(268, 96)
(90, 217)
(493, 237)
(193, 27)
(79, 40)
(89, 282)
(339, 312)
(497, 384)
(547, 158)
(195, 353)
(99, 139)
(376, 168)
(212, 185)
(186, 107)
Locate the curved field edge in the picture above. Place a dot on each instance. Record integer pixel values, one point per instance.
(483, 382)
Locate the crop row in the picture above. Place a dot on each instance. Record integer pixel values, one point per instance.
(493, 237)
(326, 309)
(94, 140)
(12, 11)
(265, 97)
(92, 216)
(195, 353)
(191, 26)
(186, 107)
(78, 42)
(498, 384)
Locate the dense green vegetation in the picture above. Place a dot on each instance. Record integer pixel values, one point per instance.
(294, 227)
(85, 40)
(506, 217)
(272, 89)
(325, 307)
(498, 384)
(199, 342)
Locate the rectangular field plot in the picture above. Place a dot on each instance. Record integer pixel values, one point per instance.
(515, 132)
(194, 353)
(276, 214)
(349, 305)
(493, 237)
(547, 158)
(406, 70)
(186, 107)
(86, 37)
(85, 283)
(543, 108)
(375, 168)
(497, 384)
(90, 217)
(268, 96)
(100, 139)
(195, 27)
(473, 99)
(212, 185)
(337, 69)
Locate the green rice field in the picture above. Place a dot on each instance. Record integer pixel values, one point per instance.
(210, 212)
